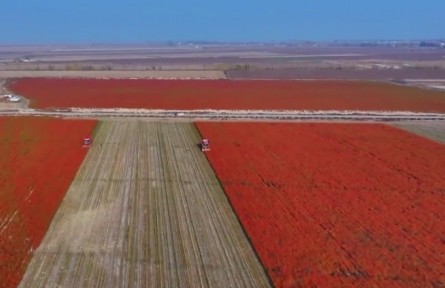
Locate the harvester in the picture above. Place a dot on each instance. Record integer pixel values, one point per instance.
(87, 141)
(205, 145)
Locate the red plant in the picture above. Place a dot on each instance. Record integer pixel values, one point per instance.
(227, 94)
(39, 159)
(336, 205)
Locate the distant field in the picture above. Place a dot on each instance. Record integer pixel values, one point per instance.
(227, 94)
(336, 205)
(174, 74)
(342, 74)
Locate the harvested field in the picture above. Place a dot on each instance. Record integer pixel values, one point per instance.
(336, 205)
(145, 210)
(8, 106)
(172, 74)
(344, 73)
(39, 158)
(2, 88)
(432, 130)
(227, 94)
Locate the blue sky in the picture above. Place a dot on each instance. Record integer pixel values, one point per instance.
(138, 21)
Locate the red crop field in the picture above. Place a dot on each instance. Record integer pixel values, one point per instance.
(39, 158)
(336, 205)
(226, 94)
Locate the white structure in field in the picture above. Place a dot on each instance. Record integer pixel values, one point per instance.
(11, 98)
(14, 99)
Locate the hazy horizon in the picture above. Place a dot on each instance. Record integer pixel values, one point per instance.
(146, 22)
(211, 42)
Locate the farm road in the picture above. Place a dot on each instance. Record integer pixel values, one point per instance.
(145, 210)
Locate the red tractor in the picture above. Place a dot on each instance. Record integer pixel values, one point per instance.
(205, 145)
(87, 141)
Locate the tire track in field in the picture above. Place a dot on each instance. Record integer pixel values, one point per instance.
(145, 210)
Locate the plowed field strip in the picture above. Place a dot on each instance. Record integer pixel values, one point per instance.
(176, 74)
(145, 210)
(432, 130)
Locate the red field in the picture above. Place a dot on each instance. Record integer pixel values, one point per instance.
(336, 205)
(39, 158)
(226, 94)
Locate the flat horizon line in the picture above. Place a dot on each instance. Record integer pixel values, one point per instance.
(215, 42)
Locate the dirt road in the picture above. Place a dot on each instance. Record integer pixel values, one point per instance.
(145, 210)
(228, 115)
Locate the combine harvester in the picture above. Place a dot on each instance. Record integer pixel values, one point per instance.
(87, 141)
(205, 145)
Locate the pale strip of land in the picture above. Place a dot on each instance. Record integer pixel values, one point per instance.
(167, 74)
(271, 115)
(145, 210)
(432, 130)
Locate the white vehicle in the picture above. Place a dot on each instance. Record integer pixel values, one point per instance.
(14, 99)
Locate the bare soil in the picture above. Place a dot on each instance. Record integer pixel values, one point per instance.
(201, 74)
(431, 130)
(334, 73)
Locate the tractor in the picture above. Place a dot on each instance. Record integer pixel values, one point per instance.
(205, 145)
